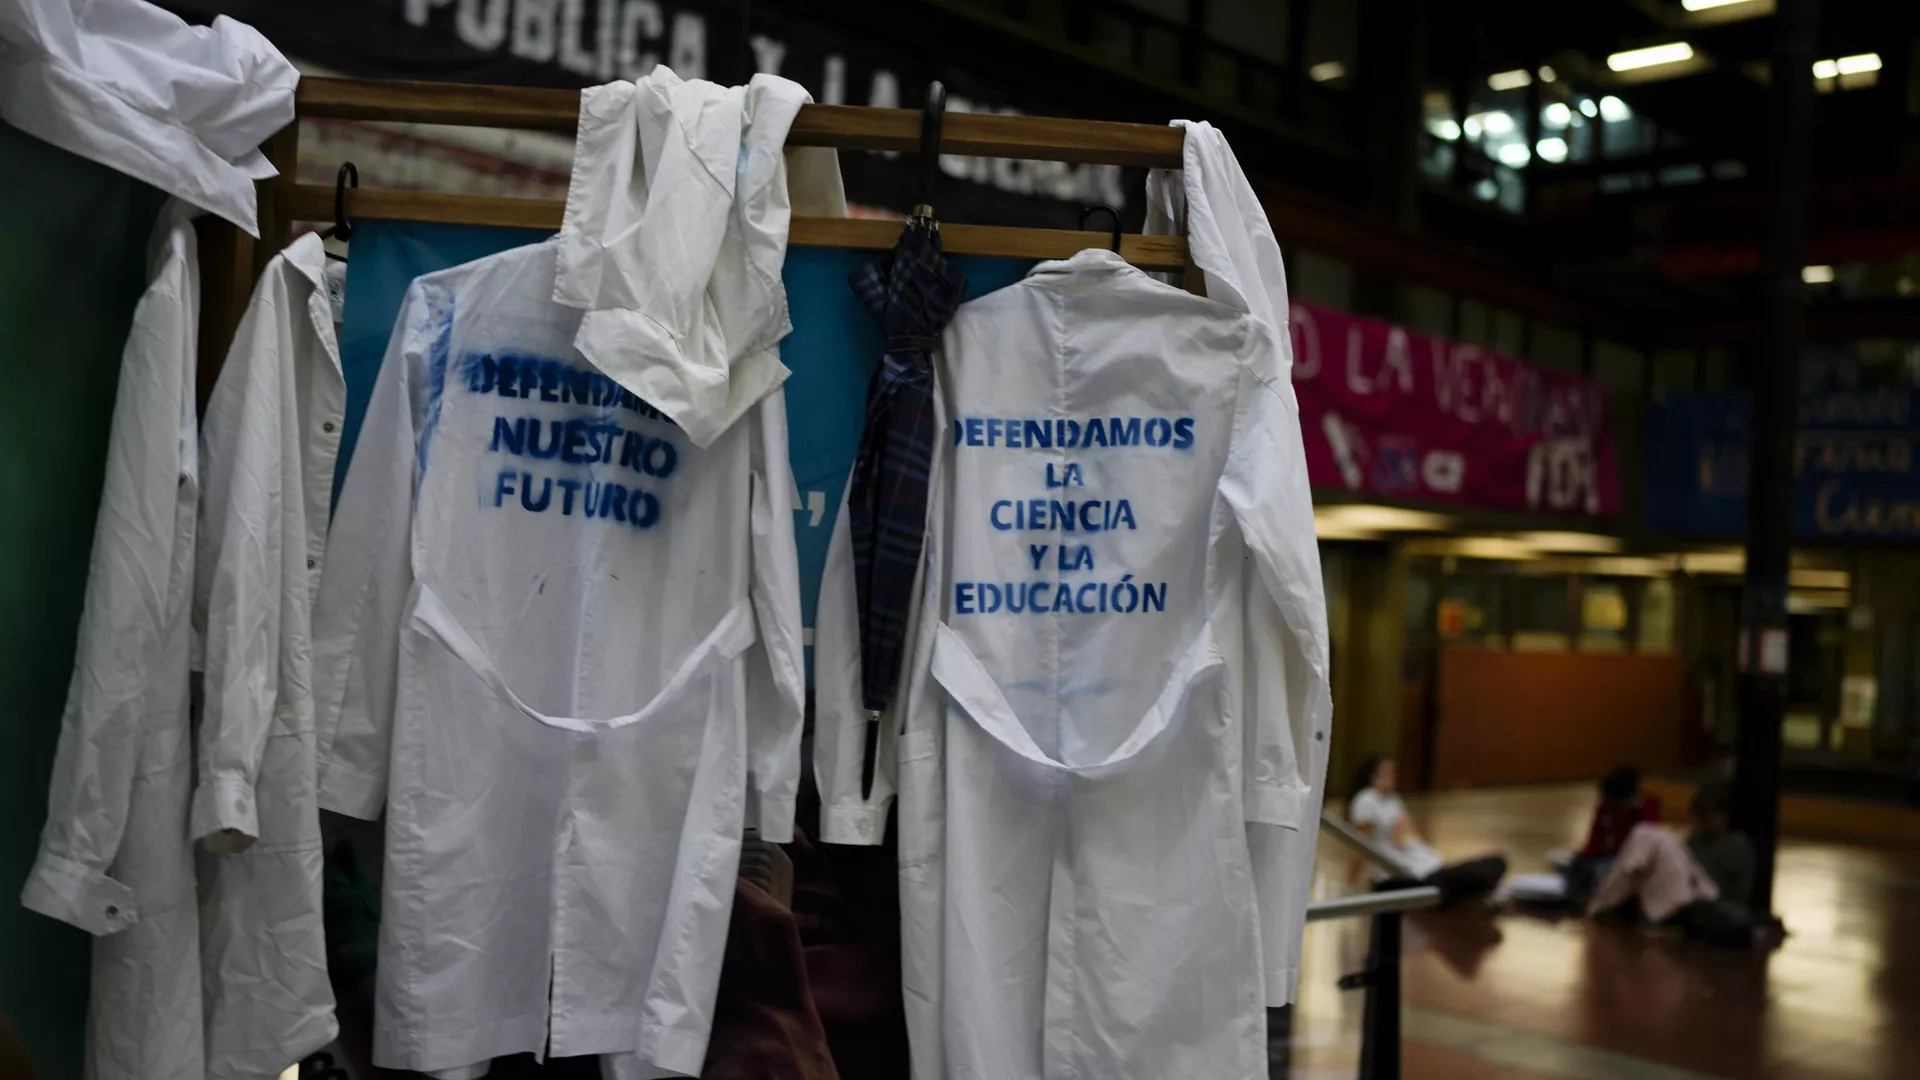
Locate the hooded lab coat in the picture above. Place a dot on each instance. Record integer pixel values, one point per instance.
(558, 644)
(268, 446)
(1114, 708)
(114, 857)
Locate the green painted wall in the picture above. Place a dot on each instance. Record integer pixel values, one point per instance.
(73, 239)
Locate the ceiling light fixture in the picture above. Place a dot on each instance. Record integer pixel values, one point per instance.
(1651, 56)
(1817, 275)
(1558, 114)
(1371, 518)
(1570, 542)
(1552, 149)
(1704, 5)
(1509, 80)
(1857, 65)
(1514, 155)
(1547, 74)
(1588, 108)
(1613, 110)
(1326, 71)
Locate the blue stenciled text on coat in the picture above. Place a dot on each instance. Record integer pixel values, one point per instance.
(1076, 582)
(600, 465)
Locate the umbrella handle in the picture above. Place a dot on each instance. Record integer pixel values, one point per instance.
(1111, 213)
(930, 119)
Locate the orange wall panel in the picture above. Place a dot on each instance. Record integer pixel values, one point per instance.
(1518, 717)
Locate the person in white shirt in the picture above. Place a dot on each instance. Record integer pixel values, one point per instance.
(1377, 811)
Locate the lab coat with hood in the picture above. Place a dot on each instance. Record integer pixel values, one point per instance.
(1112, 731)
(558, 644)
(115, 859)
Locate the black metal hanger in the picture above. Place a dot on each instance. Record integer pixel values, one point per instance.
(930, 121)
(341, 229)
(1103, 208)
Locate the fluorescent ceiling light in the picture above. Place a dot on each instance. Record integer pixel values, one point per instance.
(1629, 566)
(1491, 547)
(1587, 107)
(1547, 74)
(1816, 275)
(1814, 601)
(1514, 155)
(1703, 5)
(1552, 149)
(1381, 518)
(1444, 129)
(1651, 56)
(1826, 69)
(1558, 114)
(1729, 561)
(1855, 65)
(1325, 530)
(1494, 123)
(1326, 71)
(1473, 127)
(1574, 542)
(1613, 110)
(1509, 80)
(1819, 579)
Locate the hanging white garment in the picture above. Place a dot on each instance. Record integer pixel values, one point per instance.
(1086, 753)
(674, 235)
(115, 859)
(268, 446)
(536, 652)
(1231, 241)
(135, 88)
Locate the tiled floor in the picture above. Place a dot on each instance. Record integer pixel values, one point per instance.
(1517, 998)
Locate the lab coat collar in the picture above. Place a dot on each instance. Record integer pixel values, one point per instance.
(1084, 263)
(308, 255)
(132, 87)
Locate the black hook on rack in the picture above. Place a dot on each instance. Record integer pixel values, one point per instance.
(348, 176)
(1103, 208)
(930, 121)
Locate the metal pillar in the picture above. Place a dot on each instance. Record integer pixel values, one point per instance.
(1763, 616)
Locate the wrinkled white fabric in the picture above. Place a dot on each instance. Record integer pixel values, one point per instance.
(114, 857)
(268, 446)
(1091, 763)
(135, 88)
(674, 235)
(1231, 241)
(543, 619)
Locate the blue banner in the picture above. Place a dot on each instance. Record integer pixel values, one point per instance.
(1854, 475)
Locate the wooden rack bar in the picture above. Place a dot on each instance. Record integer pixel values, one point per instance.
(842, 126)
(314, 202)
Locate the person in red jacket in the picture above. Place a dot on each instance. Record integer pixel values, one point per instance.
(1622, 806)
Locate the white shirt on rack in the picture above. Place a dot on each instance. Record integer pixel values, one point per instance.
(115, 859)
(1114, 715)
(268, 447)
(559, 646)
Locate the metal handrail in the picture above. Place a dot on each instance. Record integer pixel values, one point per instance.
(1359, 842)
(1392, 901)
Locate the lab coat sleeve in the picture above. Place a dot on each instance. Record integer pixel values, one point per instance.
(240, 598)
(368, 579)
(1286, 710)
(150, 469)
(776, 671)
(839, 718)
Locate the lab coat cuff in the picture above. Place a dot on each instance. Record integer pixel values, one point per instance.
(346, 790)
(862, 825)
(63, 889)
(224, 817)
(1282, 985)
(775, 819)
(1272, 804)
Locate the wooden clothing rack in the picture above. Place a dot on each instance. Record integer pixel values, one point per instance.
(230, 260)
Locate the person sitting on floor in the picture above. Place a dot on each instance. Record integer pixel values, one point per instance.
(1657, 877)
(1377, 811)
(1623, 805)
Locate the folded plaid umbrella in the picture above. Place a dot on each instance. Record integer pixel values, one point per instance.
(912, 294)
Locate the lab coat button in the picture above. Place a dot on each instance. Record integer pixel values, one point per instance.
(327, 427)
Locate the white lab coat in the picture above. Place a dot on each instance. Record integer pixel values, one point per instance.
(536, 652)
(135, 88)
(114, 857)
(268, 446)
(674, 235)
(1230, 240)
(1117, 686)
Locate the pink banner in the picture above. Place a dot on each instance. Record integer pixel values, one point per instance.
(1400, 415)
